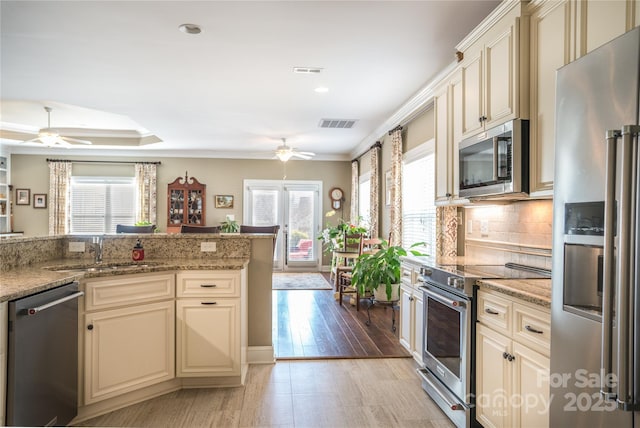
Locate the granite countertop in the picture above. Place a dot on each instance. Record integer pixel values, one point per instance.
(29, 280)
(537, 291)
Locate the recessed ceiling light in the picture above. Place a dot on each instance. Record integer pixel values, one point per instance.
(190, 29)
(321, 89)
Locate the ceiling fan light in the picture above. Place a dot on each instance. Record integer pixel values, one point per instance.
(48, 138)
(284, 155)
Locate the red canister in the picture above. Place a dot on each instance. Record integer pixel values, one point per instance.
(137, 254)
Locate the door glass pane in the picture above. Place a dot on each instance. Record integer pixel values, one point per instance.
(301, 213)
(265, 207)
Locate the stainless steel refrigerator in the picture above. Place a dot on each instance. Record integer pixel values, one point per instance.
(595, 309)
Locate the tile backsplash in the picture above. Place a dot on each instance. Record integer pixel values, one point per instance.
(518, 232)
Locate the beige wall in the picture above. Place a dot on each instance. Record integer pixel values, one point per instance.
(222, 176)
(415, 133)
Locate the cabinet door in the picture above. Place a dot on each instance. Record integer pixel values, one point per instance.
(493, 378)
(550, 38)
(208, 337)
(443, 148)
(406, 316)
(531, 383)
(455, 128)
(127, 349)
(499, 94)
(418, 332)
(472, 93)
(604, 20)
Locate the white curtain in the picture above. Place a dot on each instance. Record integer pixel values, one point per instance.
(59, 184)
(395, 236)
(355, 177)
(374, 203)
(146, 177)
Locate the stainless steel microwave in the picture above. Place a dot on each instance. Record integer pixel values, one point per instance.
(495, 163)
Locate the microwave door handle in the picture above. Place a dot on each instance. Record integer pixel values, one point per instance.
(608, 284)
(495, 159)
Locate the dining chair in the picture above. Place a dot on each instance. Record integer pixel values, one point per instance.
(262, 229)
(122, 228)
(186, 228)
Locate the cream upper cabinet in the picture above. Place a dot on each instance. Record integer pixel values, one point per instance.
(600, 21)
(495, 70)
(448, 131)
(550, 50)
(129, 334)
(512, 361)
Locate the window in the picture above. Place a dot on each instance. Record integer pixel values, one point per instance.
(418, 195)
(97, 204)
(364, 199)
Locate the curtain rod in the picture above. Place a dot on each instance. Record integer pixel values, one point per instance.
(397, 128)
(95, 161)
(376, 144)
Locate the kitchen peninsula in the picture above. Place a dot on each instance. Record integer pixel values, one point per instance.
(168, 286)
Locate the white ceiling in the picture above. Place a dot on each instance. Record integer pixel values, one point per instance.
(229, 91)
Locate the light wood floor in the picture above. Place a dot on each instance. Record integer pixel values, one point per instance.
(309, 393)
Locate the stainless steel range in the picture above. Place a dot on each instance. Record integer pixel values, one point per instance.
(448, 375)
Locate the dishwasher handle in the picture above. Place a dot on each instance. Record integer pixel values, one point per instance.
(34, 311)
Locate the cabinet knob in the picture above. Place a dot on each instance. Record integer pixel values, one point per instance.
(511, 357)
(90, 327)
(480, 119)
(505, 355)
(448, 195)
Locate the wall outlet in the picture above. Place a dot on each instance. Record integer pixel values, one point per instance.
(76, 247)
(208, 247)
(469, 227)
(484, 227)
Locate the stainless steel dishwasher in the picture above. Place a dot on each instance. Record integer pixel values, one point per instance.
(42, 375)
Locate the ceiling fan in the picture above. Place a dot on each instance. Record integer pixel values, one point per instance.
(284, 152)
(51, 137)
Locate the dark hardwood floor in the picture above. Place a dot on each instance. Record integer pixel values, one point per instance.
(311, 324)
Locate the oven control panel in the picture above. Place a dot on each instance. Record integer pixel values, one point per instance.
(445, 279)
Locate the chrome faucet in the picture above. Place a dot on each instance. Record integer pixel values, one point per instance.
(96, 248)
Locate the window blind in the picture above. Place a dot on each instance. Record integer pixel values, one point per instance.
(418, 208)
(98, 204)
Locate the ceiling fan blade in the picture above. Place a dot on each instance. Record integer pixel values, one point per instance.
(33, 140)
(301, 155)
(75, 140)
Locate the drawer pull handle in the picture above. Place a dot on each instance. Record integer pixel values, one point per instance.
(491, 311)
(208, 285)
(533, 330)
(208, 303)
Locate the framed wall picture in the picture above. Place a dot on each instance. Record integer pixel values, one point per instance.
(39, 200)
(387, 188)
(224, 201)
(23, 197)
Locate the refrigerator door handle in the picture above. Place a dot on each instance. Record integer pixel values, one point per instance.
(626, 266)
(606, 388)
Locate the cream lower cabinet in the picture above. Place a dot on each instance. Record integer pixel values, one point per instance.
(512, 362)
(129, 334)
(411, 312)
(211, 324)
(4, 337)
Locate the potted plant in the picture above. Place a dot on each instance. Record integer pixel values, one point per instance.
(229, 226)
(382, 268)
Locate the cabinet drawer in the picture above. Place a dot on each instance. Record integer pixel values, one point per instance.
(217, 283)
(128, 290)
(407, 274)
(532, 327)
(495, 312)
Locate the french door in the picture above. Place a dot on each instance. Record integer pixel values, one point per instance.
(295, 206)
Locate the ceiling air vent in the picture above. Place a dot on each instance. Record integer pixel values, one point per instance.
(307, 70)
(337, 123)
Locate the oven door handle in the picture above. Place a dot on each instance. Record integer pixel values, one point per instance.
(455, 304)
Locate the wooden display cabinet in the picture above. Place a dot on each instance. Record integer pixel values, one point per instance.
(186, 203)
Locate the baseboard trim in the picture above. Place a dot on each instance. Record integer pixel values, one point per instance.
(260, 355)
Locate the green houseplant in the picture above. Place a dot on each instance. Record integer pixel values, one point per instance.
(229, 226)
(371, 270)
